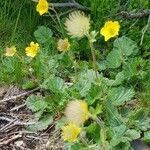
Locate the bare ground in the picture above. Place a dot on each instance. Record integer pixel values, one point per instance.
(14, 116)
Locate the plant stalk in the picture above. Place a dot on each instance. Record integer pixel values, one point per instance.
(84, 142)
(58, 19)
(93, 57)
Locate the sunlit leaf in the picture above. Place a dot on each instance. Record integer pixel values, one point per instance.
(133, 67)
(112, 115)
(54, 84)
(42, 124)
(85, 81)
(125, 46)
(43, 34)
(36, 103)
(114, 59)
(120, 95)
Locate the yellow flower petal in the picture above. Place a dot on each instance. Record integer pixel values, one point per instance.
(77, 112)
(84, 108)
(63, 45)
(42, 7)
(110, 29)
(70, 132)
(32, 50)
(77, 24)
(10, 51)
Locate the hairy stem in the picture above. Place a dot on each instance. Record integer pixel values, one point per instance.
(84, 142)
(93, 55)
(58, 19)
(101, 123)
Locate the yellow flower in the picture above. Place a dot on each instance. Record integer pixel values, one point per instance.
(32, 50)
(42, 7)
(10, 51)
(77, 112)
(70, 132)
(77, 24)
(110, 29)
(63, 45)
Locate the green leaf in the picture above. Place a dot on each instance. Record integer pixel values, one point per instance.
(54, 84)
(117, 134)
(28, 84)
(124, 144)
(11, 70)
(96, 111)
(146, 137)
(133, 67)
(143, 124)
(113, 117)
(93, 128)
(119, 130)
(133, 134)
(114, 59)
(93, 94)
(119, 140)
(43, 34)
(75, 146)
(125, 45)
(42, 124)
(86, 78)
(120, 95)
(36, 103)
(102, 65)
(118, 80)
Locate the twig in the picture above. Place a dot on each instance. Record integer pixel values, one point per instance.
(16, 122)
(18, 96)
(70, 4)
(18, 107)
(6, 142)
(73, 3)
(65, 13)
(7, 119)
(130, 15)
(7, 126)
(33, 137)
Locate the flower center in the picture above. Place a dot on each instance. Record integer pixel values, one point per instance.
(111, 31)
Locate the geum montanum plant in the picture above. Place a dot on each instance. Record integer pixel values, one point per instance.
(96, 114)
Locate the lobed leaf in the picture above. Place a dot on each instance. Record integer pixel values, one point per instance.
(43, 34)
(42, 124)
(36, 103)
(120, 95)
(125, 46)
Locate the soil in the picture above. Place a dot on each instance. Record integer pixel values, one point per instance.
(14, 117)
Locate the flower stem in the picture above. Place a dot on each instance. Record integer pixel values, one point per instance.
(97, 120)
(93, 55)
(84, 142)
(100, 122)
(58, 19)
